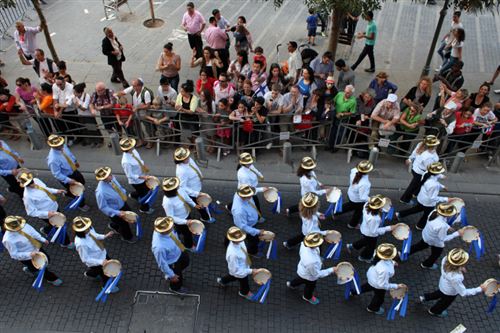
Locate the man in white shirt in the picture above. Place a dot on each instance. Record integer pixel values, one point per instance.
(292, 104)
(222, 88)
(167, 94)
(62, 93)
(294, 62)
(44, 68)
(25, 39)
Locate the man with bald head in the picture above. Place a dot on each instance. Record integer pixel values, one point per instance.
(25, 39)
(113, 49)
(345, 106)
(101, 105)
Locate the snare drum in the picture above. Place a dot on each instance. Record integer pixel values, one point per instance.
(112, 268)
(262, 276)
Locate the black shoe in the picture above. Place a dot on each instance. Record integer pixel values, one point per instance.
(115, 81)
(370, 70)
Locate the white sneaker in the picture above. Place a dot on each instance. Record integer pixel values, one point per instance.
(438, 69)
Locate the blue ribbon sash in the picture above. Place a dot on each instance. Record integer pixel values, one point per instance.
(1, 237)
(108, 287)
(150, 197)
(37, 284)
(478, 246)
(398, 305)
(271, 251)
(277, 205)
(333, 251)
(405, 250)
(200, 241)
(492, 304)
(138, 228)
(335, 207)
(261, 295)
(58, 234)
(74, 204)
(353, 286)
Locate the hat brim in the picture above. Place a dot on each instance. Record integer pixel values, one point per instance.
(314, 244)
(56, 144)
(369, 169)
(237, 239)
(106, 175)
(82, 229)
(182, 158)
(247, 195)
(308, 167)
(389, 257)
(17, 228)
(246, 162)
(461, 262)
(124, 148)
(173, 187)
(447, 214)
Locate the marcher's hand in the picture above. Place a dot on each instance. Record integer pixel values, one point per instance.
(407, 162)
(461, 232)
(261, 232)
(20, 52)
(46, 242)
(104, 262)
(197, 206)
(121, 213)
(174, 278)
(21, 161)
(483, 287)
(109, 234)
(50, 214)
(33, 254)
(334, 270)
(393, 227)
(254, 271)
(189, 222)
(61, 191)
(72, 181)
(15, 172)
(77, 165)
(401, 285)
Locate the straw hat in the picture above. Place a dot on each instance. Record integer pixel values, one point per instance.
(246, 191)
(364, 166)
(102, 173)
(436, 168)
(446, 210)
(309, 200)
(457, 257)
(181, 154)
(246, 159)
(376, 202)
(127, 144)
(164, 224)
(307, 163)
(25, 179)
(170, 183)
(81, 224)
(313, 239)
(55, 141)
(386, 251)
(431, 141)
(14, 223)
(235, 234)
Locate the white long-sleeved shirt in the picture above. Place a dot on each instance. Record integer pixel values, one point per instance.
(435, 232)
(20, 247)
(190, 180)
(166, 252)
(37, 202)
(370, 226)
(88, 250)
(420, 162)
(175, 208)
(428, 195)
(309, 267)
(245, 215)
(359, 192)
(249, 175)
(132, 168)
(378, 275)
(311, 225)
(451, 283)
(310, 183)
(236, 257)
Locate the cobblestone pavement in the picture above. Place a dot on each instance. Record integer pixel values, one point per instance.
(71, 307)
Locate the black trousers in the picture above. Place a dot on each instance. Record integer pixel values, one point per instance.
(417, 209)
(118, 72)
(293, 209)
(357, 207)
(196, 42)
(308, 288)
(444, 301)
(413, 188)
(2, 217)
(295, 240)
(378, 297)
(368, 244)
(435, 252)
(76, 175)
(48, 276)
(122, 226)
(202, 211)
(48, 227)
(367, 51)
(244, 286)
(96, 271)
(14, 186)
(178, 267)
(187, 236)
(140, 191)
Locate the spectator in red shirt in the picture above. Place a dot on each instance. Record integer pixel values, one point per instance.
(10, 106)
(461, 137)
(124, 116)
(205, 81)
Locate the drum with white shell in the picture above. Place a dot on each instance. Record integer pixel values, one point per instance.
(267, 236)
(492, 287)
(401, 231)
(333, 195)
(39, 260)
(470, 234)
(130, 217)
(261, 276)
(332, 236)
(196, 227)
(57, 220)
(112, 268)
(400, 292)
(152, 182)
(345, 272)
(271, 194)
(77, 189)
(204, 199)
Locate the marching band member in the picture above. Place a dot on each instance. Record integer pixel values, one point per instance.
(370, 229)
(378, 276)
(428, 196)
(10, 162)
(246, 215)
(90, 247)
(111, 199)
(422, 156)
(238, 262)
(309, 267)
(40, 201)
(23, 241)
(190, 176)
(308, 182)
(435, 234)
(64, 166)
(358, 192)
(169, 253)
(308, 210)
(450, 283)
(136, 171)
(177, 204)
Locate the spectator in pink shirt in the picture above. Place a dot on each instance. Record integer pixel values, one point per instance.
(194, 23)
(216, 38)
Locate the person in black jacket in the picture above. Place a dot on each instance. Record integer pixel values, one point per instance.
(113, 49)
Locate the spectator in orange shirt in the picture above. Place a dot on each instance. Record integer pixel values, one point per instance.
(45, 104)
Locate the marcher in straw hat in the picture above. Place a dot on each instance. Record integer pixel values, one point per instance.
(10, 163)
(246, 216)
(370, 228)
(378, 277)
(22, 242)
(428, 196)
(358, 192)
(308, 182)
(178, 205)
(450, 283)
(308, 210)
(422, 156)
(190, 176)
(435, 234)
(111, 199)
(169, 253)
(41, 201)
(309, 267)
(90, 247)
(238, 262)
(64, 166)
(136, 171)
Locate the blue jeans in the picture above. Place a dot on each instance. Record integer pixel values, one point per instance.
(440, 51)
(448, 63)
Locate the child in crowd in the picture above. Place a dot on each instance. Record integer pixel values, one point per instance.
(124, 116)
(312, 25)
(259, 56)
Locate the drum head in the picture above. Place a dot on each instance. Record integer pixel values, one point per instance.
(470, 234)
(196, 227)
(459, 204)
(152, 182)
(492, 287)
(333, 195)
(333, 236)
(204, 200)
(262, 276)
(112, 268)
(77, 189)
(399, 293)
(39, 260)
(267, 236)
(401, 232)
(345, 272)
(388, 205)
(130, 217)
(271, 194)
(57, 220)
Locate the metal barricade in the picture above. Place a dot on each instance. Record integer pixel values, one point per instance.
(10, 14)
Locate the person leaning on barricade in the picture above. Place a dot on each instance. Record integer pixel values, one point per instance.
(384, 118)
(101, 106)
(186, 104)
(11, 106)
(408, 127)
(345, 107)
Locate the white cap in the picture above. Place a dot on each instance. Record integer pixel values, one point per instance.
(451, 106)
(392, 98)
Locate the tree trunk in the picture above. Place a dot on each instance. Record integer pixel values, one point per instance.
(45, 28)
(333, 42)
(442, 14)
